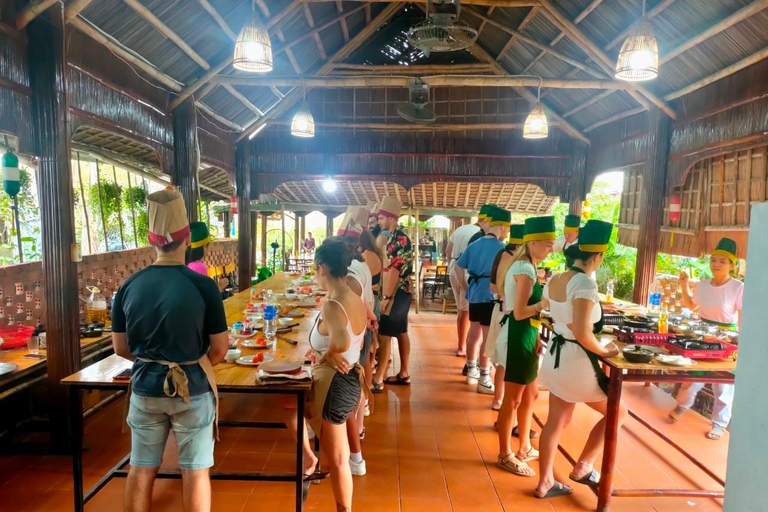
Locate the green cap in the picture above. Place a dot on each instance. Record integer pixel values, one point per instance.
(572, 223)
(485, 211)
(726, 247)
(516, 233)
(500, 217)
(539, 228)
(595, 235)
(199, 234)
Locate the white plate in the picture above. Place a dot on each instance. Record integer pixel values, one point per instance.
(244, 336)
(674, 360)
(253, 344)
(248, 360)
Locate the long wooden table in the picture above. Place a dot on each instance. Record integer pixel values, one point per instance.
(620, 371)
(230, 378)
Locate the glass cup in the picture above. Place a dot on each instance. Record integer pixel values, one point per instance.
(33, 345)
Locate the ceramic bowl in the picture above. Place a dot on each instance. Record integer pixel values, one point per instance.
(285, 321)
(232, 355)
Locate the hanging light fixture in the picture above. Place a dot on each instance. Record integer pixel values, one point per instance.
(535, 126)
(639, 55)
(303, 124)
(253, 49)
(329, 185)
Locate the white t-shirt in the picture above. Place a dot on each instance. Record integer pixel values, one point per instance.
(518, 268)
(362, 274)
(460, 239)
(719, 303)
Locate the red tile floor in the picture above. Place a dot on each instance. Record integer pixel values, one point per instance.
(429, 448)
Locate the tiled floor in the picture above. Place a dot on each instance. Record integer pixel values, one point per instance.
(429, 448)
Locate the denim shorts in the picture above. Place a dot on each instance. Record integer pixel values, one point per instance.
(152, 418)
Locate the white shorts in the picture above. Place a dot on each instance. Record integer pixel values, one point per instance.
(459, 287)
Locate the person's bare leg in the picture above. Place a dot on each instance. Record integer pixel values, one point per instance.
(354, 427)
(289, 418)
(334, 445)
(404, 348)
(560, 413)
(498, 382)
(462, 328)
(138, 489)
(525, 414)
(484, 361)
(196, 490)
(473, 342)
(594, 446)
(385, 349)
(513, 395)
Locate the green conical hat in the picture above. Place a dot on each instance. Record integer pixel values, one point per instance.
(595, 235)
(500, 217)
(516, 233)
(726, 247)
(485, 211)
(572, 223)
(539, 228)
(199, 234)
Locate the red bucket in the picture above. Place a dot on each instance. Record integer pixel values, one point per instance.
(15, 336)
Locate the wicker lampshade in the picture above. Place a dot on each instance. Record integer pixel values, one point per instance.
(303, 124)
(535, 126)
(639, 56)
(253, 49)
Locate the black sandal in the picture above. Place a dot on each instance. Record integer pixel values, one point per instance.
(377, 387)
(516, 431)
(316, 475)
(591, 479)
(556, 490)
(397, 380)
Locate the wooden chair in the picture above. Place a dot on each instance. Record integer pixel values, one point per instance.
(434, 280)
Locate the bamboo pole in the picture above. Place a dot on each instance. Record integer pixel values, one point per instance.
(242, 99)
(434, 81)
(412, 126)
(715, 29)
(32, 11)
(641, 94)
(205, 4)
(416, 68)
(85, 205)
(73, 8)
(512, 40)
(223, 120)
(161, 27)
(616, 117)
(652, 13)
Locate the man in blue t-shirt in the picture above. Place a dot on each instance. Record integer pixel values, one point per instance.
(476, 262)
(170, 321)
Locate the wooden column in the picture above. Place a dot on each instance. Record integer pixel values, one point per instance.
(651, 202)
(254, 236)
(264, 218)
(50, 121)
(302, 230)
(577, 186)
(185, 156)
(297, 217)
(243, 185)
(226, 218)
(282, 241)
(329, 216)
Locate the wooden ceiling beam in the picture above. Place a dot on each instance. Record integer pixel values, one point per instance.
(73, 8)
(616, 117)
(588, 103)
(432, 80)
(655, 11)
(161, 27)
(32, 11)
(641, 94)
(489, 12)
(411, 127)
(494, 3)
(344, 26)
(290, 99)
(512, 40)
(289, 53)
(578, 19)
(204, 91)
(536, 44)
(210, 9)
(715, 29)
(415, 69)
(263, 8)
(242, 99)
(318, 42)
(218, 117)
(482, 55)
(215, 70)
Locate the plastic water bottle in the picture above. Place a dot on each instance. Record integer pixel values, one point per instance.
(270, 324)
(96, 307)
(654, 298)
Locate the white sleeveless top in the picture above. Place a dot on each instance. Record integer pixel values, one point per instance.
(321, 343)
(580, 286)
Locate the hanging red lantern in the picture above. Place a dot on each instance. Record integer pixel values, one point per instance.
(675, 205)
(233, 205)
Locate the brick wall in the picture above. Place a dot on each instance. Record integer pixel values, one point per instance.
(21, 286)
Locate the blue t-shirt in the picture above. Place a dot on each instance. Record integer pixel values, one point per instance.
(477, 259)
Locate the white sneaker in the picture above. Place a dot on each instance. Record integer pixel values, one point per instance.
(485, 386)
(473, 375)
(367, 410)
(357, 468)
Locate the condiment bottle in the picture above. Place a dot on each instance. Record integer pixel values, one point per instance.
(609, 291)
(96, 307)
(663, 324)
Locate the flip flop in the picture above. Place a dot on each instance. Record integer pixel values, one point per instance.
(316, 475)
(555, 491)
(591, 479)
(397, 380)
(377, 387)
(716, 433)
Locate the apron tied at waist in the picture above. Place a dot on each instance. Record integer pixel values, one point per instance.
(475, 277)
(178, 377)
(724, 325)
(556, 345)
(534, 320)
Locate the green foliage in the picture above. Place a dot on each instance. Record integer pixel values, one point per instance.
(697, 268)
(29, 219)
(136, 198)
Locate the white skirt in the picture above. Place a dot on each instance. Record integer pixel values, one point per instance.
(574, 380)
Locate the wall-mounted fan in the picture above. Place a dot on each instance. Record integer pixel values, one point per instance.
(416, 110)
(442, 31)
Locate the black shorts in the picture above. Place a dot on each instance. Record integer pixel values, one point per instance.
(343, 397)
(481, 312)
(396, 322)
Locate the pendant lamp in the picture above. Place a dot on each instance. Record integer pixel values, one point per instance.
(535, 126)
(639, 55)
(253, 49)
(303, 124)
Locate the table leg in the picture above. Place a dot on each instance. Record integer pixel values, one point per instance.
(299, 451)
(605, 488)
(76, 444)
